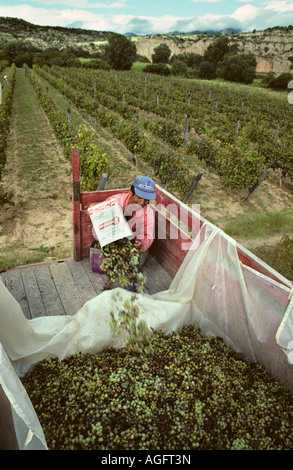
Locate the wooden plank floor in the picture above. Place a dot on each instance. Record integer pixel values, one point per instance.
(61, 288)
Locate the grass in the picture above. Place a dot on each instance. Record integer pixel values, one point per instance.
(16, 255)
(34, 164)
(261, 225)
(279, 256)
(138, 66)
(267, 224)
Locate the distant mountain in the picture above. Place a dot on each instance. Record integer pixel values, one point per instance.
(75, 24)
(222, 31)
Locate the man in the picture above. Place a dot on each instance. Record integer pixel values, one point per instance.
(138, 213)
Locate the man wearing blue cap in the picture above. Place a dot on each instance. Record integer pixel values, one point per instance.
(136, 210)
(138, 213)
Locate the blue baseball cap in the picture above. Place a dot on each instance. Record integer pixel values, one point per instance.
(144, 187)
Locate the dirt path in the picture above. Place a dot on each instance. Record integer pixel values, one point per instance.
(40, 222)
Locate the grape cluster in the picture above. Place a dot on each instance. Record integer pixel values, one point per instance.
(121, 262)
(187, 392)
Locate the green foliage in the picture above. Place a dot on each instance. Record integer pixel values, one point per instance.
(179, 68)
(120, 52)
(67, 57)
(221, 59)
(279, 256)
(240, 161)
(204, 150)
(126, 324)
(161, 54)
(218, 49)
(5, 113)
(93, 160)
(268, 77)
(5, 196)
(191, 59)
(214, 54)
(281, 81)
(166, 130)
(207, 70)
(172, 170)
(239, 168)
(98, 64)
(120, 261)
(260, 225)
(159, 69)
(239, 68)
(142, 58)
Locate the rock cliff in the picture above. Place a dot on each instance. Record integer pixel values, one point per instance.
(273, 48)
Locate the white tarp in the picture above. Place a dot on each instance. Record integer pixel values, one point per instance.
(212, 289)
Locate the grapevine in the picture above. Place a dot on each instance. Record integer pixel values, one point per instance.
(214, 111)
(5, 113)
(93, 160)
(120, 262)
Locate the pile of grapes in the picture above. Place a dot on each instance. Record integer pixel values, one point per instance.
(121, 262)
(188, 392)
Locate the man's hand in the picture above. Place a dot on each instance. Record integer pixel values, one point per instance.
(137, 244)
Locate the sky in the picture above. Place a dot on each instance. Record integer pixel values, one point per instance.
(153, 16)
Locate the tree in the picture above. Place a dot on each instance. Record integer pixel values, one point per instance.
(238, 68)
(207, 70)
(161, 54)
(217, 50)
(281, 82)
(191, 59)
(213, 55)
(120, 52)
(23, 58)
(159, 69)
(179, 67)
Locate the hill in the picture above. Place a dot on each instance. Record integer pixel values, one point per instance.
(43, 37)
(273, 47)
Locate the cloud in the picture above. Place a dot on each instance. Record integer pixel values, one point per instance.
(247, 17)
(82, 4)
(206, 1)
(207, 23)
(246, 13)
(278, 6)
(139, 25)
(45, 17)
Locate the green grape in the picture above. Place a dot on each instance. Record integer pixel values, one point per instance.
(187, 392)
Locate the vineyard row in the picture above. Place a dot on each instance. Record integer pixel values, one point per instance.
(240, 166)
(7, 90)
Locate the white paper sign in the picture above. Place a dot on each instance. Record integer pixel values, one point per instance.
(109, 222)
